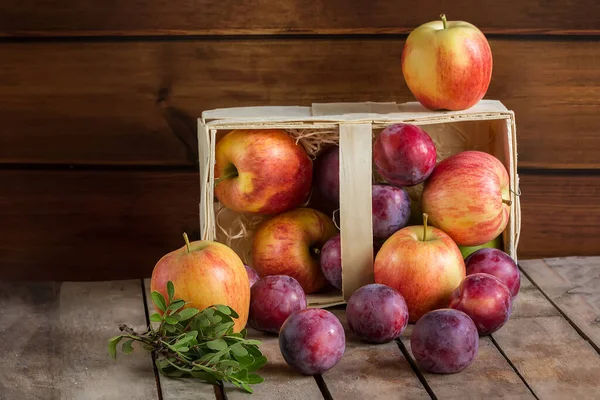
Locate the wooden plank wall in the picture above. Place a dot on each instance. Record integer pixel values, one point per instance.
(98, 104)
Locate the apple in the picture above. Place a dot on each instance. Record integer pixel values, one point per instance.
(423, 264)
(272, 300)
(261, 171)
(205, 273)
(331, 261)
(391, 210)
(252, 275)
(485, 299)
(496, 243)
(404, 154)
(498, 263)
(327, 174)
(289, 244)
(447, 65)
(468, 197)
(444, 341)
(377, 313)
(312, 341)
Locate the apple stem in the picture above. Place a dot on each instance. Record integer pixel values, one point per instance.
(187, 241)
(425, 217)
(226, 176)
(508, 202)
(443, 17)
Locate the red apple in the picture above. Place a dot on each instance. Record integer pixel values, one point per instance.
(498, 263)
(485, 299)
(261, 171)
(447, 65)
(290, 243)
(423, 264)
(404, 154)
(468, 197)
(205, 273)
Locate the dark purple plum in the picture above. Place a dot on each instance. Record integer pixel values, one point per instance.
(327, 174)
(272, 300)
(485, 299)
(444, 341)
(498, 263)
(391, 210)
(252, 275)
(331, 261)
(312, 341)
(377, 313)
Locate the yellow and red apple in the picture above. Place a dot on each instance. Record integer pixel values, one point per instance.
(205, 273)
(468, 196)
(290, 243)
(447, 65)
(423, 264)
(261, 171)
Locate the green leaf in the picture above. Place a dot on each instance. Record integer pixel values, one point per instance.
(112, 345)
(242, 375)
(229, 364)
(257, 364)
(171, 320)
(127, 347)
(183, 349)
(188, 313)
(205, 376)
(253, 379)
(176, 305)
(252, 342)
(255, 351)
(222, 329)
(238, 350)
(224, 309)
(170, 328)
(218, 344)
(159, 301)
(247, 388)
(155, 317)
(170, 291)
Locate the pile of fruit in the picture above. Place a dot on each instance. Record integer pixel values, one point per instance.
(420, 271)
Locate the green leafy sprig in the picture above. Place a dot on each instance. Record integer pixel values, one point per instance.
(193, 343)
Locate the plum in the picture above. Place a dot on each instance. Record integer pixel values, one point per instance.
(444, 341)
(485, 299)
(272, 300)
(331, 261)
(312, 341)
(498, 263)
(252, 275)
(404, 154)
(327, 174)
(377, 313)
(391, 210)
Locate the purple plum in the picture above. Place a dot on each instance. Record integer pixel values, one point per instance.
(377, 313)
(391, 210)
(498, 263)
(272, 300)
(252, 275)
(312, 341)
(331, 261)
(444, 341)
(327, 174)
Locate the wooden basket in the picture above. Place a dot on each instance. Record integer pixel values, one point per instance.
(488, 126)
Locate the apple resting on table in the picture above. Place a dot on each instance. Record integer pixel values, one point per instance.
(261, 171)
(423, 264)
(290, 243)
(205, 273)
(447, 65)
(468, 197)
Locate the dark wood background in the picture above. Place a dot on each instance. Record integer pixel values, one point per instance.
(98, 102)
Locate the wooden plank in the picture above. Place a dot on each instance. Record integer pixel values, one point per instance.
(280, 381)
(372, 371)
(559, 215)
(93, 225)
(553, 358)
(572, 284)
(55, 339)
(193, 17)
(100, 104)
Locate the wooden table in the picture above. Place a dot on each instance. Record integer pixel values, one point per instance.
(54, 346)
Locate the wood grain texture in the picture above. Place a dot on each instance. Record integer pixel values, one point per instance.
(55, 339)
(554, 359)
(97, 103)
(93, 225)
(572, 284)
(559, 215)
(198, 17)
(372, 371)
